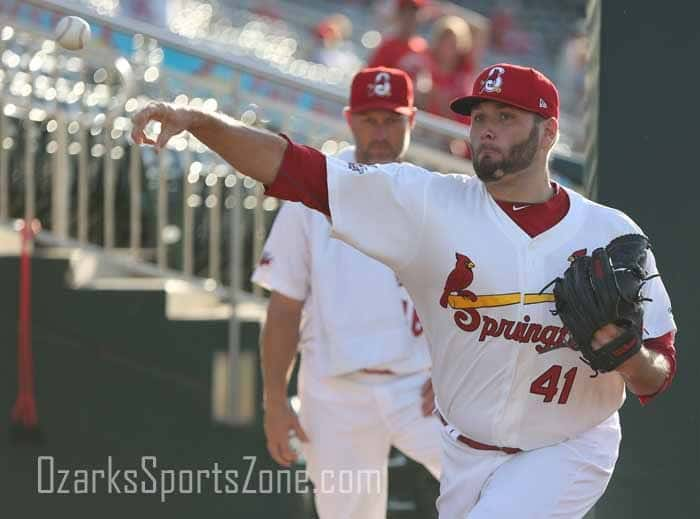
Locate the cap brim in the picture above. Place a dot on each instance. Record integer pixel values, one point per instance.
(380, 105)
(464, 105)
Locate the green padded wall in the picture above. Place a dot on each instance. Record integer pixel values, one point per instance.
(647, 166)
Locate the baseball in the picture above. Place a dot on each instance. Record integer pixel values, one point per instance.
(72, 33)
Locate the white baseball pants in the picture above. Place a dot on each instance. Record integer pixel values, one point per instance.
(352, 422)
(562, 481)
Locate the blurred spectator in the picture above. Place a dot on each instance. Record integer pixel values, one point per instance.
(333, 46)
(446, 69)
(506, 36)
(571, 78)
(509, 42)
(479, 25)
(268, 9)
(571, 70)
(450, 72)
(405, 50)
(146, 11)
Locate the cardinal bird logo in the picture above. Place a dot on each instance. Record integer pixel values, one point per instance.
(459, 279)
(472, 315)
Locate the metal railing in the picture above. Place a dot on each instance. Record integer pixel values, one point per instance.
(65, 158)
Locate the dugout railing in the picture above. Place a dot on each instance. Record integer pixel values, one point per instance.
(65, 157)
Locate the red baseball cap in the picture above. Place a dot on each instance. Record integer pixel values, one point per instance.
(411, 3)
(522, 87)
(381, 88)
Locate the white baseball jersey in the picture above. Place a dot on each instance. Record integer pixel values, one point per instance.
(356, 314)
(475, 276)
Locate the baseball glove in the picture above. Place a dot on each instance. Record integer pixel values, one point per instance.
(605, 288)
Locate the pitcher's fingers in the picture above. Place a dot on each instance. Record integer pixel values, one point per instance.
(165, 135)
(140, 120)
(138, 134)
(604, 335)
(152, 112)
(145, 140)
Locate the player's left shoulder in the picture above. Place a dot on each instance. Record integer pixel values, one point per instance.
(454, 181)
(452, 191)
(602, 216)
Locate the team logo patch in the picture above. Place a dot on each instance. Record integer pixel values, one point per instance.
(360, 169)
(493, 84)
(543, 104)
(469, 315)
(381, 86)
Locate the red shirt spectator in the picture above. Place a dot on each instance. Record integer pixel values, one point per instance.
(397, 51)
(450, 67)
(405, 50)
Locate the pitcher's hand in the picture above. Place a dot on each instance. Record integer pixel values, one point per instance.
(604, 335)
(172, 119)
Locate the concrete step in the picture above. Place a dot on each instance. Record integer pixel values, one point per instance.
(184, 301)
(10, 243)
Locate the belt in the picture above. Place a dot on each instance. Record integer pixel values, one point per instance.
(378, 371)
(478, 445)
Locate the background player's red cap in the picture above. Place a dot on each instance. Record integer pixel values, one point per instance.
(381, 88)
(411, 3)
(521, 87)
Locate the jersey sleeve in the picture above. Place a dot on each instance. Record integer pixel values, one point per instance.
(659, 324)
(284, 265)
(665, 346)
(658, 313)
(378, 209)
(301, 177)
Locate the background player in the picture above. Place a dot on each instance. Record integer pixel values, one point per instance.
(364, 362)
(528, 433)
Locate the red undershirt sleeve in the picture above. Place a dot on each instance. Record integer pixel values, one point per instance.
(302, 177)
(665, 346)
